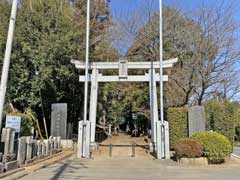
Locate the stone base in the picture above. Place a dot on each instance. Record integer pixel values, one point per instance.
(67, 144)
(193, 161)
(151, 148)
(8, 166)
(94, 145)
(1, 168)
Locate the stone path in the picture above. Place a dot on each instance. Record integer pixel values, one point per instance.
(123, 152)
(131, 169)
(122, 167)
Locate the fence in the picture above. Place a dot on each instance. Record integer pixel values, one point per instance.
(25, 150)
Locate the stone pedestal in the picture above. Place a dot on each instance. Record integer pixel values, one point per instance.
(29, 140)
(58, 142)
(1, 168)
(22, 150)
(51, 145)
(9, 166)
(84, 140)
(47, 147)
(55, 143)
(8, 137)
(35, 149)
(163, 150)
(44, 149)
(202, 161)
(39, 149)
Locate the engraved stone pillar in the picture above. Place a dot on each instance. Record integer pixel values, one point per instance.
(153, 104)
(93, 103)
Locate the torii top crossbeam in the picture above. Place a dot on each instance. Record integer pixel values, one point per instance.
(131, 65)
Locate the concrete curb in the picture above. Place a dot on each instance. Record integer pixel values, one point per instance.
(11, 172)
(235, 156)
(29, 168)
(43, 165)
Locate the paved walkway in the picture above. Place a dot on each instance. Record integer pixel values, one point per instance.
(131, 169)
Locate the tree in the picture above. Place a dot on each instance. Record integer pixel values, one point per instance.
(205, 44)
(49, 33)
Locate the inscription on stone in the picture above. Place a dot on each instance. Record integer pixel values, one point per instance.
(59, 120)
(196, 119)
(123, 69)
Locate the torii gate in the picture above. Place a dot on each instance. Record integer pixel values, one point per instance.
(160, 135)
(152, 77)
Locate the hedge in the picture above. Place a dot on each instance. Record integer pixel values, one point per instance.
(178, 124)
(221, 117)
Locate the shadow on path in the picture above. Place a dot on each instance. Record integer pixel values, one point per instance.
(63, 167)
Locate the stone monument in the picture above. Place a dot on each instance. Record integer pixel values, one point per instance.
(196, 119)
(59, 120)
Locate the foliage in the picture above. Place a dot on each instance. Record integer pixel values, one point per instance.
(188, 148)
(48, 34)
(199, 42)
(27, 122)
(178, 124)
(121, 100)
(222, 117)
(216, 146)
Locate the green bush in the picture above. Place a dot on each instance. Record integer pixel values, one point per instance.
(178, 124)
(222, 117)
(188, 148)
(216, 146)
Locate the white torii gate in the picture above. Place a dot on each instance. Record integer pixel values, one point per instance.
(158, 141)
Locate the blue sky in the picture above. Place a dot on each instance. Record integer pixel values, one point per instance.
(123, 5)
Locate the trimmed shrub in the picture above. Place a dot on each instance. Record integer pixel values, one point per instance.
(178, 124)
(222, 117)
(188, 148)
(216, 147)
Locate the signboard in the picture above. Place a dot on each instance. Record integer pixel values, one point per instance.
(13, 122)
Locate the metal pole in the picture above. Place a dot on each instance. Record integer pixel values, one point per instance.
(161, 60)
(162, 138)
(86, 63)
(6, 62)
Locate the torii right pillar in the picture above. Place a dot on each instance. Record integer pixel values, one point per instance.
(160, 131)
